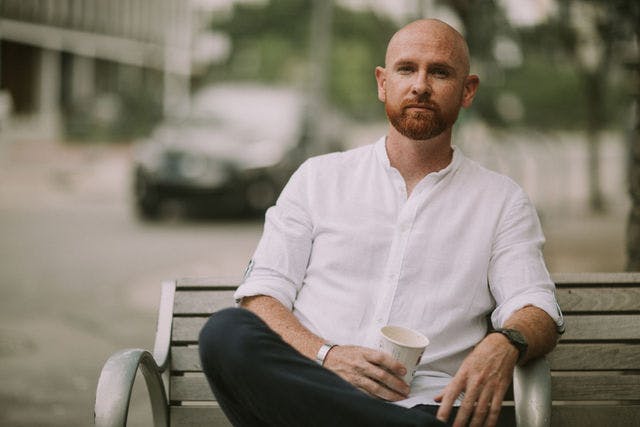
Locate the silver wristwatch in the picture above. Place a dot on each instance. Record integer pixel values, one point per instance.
(322, 353)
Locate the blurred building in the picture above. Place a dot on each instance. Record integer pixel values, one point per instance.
(61, 59)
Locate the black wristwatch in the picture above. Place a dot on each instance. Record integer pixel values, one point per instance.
(517, 339)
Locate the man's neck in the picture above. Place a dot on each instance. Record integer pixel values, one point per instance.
(416, 159)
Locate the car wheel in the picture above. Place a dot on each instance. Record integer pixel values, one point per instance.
(260, 195)
(148, 201)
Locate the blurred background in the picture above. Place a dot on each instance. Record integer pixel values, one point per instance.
(142, 140)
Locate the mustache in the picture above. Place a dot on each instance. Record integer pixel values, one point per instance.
(420, 102)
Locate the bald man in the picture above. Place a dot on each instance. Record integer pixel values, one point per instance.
(406, 231)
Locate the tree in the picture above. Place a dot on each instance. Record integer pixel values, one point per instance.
(271, 42)
(631, 9)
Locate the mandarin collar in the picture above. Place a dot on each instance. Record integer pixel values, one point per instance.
(383, 157)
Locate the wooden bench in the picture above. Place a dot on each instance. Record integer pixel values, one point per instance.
(595, 376)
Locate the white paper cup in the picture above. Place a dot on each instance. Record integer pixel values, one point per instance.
(405, 345)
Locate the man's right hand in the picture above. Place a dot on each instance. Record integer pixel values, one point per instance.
(374, 372)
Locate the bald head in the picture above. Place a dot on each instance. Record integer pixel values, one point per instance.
(437, 34)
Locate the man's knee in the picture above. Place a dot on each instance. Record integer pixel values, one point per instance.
(225, 336)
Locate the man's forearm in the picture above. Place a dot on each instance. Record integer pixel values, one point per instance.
(538, 328)
(283, 322)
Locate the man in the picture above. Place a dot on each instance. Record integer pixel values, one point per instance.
(407, 232)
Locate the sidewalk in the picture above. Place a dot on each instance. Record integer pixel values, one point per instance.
(35, 172)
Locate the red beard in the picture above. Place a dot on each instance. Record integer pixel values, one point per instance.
(418, 124)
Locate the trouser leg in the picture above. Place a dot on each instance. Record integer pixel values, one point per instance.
(258, 379)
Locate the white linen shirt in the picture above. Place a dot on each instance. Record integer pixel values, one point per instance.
(348, 252)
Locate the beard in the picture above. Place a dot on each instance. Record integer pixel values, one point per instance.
(418, 125)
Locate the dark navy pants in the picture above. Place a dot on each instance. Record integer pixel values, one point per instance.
(259, 380)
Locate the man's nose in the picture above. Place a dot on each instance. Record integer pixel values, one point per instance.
(422, 84)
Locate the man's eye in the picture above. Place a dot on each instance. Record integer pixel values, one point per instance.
(405, 69)
(440, 72)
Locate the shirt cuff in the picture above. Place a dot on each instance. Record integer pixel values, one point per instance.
(541, 300)
(275, 288)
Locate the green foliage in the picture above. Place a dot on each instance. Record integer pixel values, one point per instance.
(552, 93)
(271, 43)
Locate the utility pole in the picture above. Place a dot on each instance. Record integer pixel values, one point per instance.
(633, 225)
(177, 56)
(320, 67)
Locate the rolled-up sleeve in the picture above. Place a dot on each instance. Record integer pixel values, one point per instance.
(517, 273)
(278, 266)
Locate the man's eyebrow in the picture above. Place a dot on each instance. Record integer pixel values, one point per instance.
(403, 62)
(442, 65)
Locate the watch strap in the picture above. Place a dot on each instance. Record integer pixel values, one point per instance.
(516, 339)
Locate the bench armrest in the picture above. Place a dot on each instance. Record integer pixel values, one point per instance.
(116, 382)
(532, 394)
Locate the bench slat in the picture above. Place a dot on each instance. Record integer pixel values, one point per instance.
(185, 359)
(566, 357)
(198, 416)
(585, 327)
(594, 357)
(191, 388)
(202, 302)
(213, 283)
(602, 327)
(595, 415)
(595, 387)
(599, 299)
(595, 279)
(187, 329)
(566, 388)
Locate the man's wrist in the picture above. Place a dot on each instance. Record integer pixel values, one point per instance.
(516, 339)
(323, 352)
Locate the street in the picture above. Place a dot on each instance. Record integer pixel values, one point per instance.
(80, 276)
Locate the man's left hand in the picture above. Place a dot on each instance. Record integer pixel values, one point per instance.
(484, 377)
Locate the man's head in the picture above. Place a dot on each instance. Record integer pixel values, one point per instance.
(426, 79)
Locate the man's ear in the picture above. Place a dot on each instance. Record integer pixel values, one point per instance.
(381, 80)
(471, 84)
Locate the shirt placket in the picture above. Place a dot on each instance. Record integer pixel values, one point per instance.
(397, 252)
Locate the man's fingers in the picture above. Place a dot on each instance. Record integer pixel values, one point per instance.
(481, 409)
(496, 405)
(468, 405)
(387, 379)
(370, 371)
(376, 389)
(386, 362)
(447, 398)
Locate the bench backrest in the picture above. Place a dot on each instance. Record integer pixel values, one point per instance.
(595, 368)
(191, 400)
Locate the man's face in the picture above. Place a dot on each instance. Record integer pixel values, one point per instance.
(425, 81)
